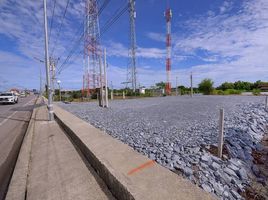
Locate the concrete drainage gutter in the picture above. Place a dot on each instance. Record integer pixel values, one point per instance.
(128, 174)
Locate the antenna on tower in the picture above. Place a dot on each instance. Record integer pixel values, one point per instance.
(131, 68)
(168, 15)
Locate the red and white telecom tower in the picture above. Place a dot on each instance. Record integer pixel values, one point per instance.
(168, 15)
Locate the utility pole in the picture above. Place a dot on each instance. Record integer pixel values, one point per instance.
(106, 81)
(40, 91)
(59, 89)
(101, 83)
(50, 105)
(112, 91)
(40, 75)
(191, 77)
(176, 85)
(53, 62)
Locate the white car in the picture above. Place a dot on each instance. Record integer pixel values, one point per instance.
(23, 94)
(8, 97)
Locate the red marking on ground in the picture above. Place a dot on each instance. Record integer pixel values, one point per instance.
(141, 167)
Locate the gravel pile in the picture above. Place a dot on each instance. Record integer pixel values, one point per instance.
(178, 133)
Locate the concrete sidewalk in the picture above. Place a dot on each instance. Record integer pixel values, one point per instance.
(128, 174)
(55, 168)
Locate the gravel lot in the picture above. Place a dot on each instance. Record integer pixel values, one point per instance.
(176, 131)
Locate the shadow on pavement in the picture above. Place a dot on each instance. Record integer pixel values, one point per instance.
(14, 119)
(26, 108)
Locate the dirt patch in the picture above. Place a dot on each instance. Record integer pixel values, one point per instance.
(258, 190)
(214, 151)
(254, 192)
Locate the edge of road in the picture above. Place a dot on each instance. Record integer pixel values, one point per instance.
(127, 173)
(17, 188)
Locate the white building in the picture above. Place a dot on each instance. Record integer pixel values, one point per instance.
(142, 90)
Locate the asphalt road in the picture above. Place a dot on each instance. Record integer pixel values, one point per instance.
(14, 121)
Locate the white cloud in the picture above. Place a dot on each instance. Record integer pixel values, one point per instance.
(157, 36)
(237, 43)
(22, 22)
(234, 46)
(16, 71)
(151, 53)
(226, 6)
(119, 50)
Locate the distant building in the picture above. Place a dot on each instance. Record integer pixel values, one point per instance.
(142, 90)
(15, 90)
(263, 87)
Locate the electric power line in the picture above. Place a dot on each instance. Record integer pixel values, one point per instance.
(60, 27)
(110, 22)
(103, 29)
(51, 22)
(105, 3)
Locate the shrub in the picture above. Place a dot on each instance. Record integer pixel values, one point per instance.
(225, 86)
(206, 86)
(232, 91)
(256, 92)
(218, 92)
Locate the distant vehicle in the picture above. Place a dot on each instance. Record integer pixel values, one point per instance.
(22, 94)
(8, 97)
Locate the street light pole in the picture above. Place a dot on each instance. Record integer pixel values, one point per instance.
(50, 105)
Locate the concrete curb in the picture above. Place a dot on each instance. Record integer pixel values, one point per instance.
(128, 174)
(17, 189)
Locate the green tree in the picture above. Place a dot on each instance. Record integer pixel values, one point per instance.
(225, 86)
(256, 84)
(160, 85)
(242, 85)
(206, 86)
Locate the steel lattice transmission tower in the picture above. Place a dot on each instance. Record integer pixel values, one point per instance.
(168, 15)
(92, 50)
(131, 70)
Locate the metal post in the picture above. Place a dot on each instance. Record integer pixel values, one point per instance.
(50, 105)
(59, 89)
(176, 85)
(112, 91)
(101, 84)
(266, 102)
(60, 92)
(124, 95)
(221, 129)
(106, 81)
(112, 95)
(40, 91)
(191, 77)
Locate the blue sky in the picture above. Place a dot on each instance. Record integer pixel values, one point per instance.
(225, 40)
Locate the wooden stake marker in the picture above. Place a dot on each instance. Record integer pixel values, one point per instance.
(221, 130)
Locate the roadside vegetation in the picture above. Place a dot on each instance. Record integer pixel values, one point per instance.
(206, 87)
(229, 88)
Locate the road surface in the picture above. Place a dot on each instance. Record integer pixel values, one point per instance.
(14, 120)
